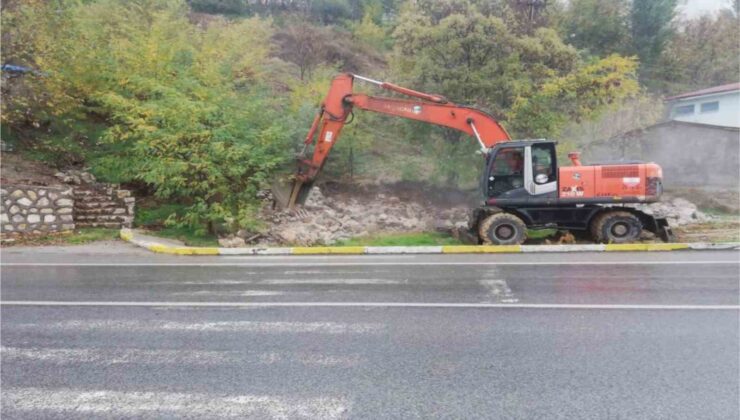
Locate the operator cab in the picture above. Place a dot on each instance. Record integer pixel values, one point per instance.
(521, 169)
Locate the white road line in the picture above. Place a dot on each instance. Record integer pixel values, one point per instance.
(312, 359)
(116, 356)
(230, 293)
(366, 264)
(117, 404)
(376, 304)
(260, 327)
(339, 281)
(292, 272)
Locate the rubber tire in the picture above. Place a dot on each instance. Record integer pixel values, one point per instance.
(489, 225)
(602, 224)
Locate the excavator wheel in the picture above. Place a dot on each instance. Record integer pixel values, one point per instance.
(616, 227)
(502, 229)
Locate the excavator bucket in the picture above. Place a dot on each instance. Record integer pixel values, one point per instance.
(281, 192)
(290, 192)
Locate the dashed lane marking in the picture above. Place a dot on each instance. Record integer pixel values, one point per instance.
(117, 356)
(230, 293)
(328, 281)
(259, 327)
(34, 402)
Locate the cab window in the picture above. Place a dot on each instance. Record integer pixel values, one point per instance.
(506, 171)
(509, 162)
(543, 161)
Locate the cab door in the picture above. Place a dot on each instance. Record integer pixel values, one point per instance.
(541, 169)
(504, 176)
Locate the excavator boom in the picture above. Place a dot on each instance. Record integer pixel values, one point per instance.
(341, 101)
(523, 187)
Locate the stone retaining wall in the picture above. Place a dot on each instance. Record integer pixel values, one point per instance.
(35, 209)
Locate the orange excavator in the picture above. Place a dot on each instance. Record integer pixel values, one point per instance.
(522, 185)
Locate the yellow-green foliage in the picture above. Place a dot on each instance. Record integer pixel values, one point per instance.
(187, 109)
(475, 58)
(32, 31)
(369, 32)
(533, 83)
(580, 95)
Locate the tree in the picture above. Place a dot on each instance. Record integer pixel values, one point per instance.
(31, 30)
(303, 44)
(534, 84)
(185, 110)
(614, 126)
(531, 13)
(651, 25)
(309, 47)
(330, 11)
(474, 58)
(369, 32)
(704, 52)
(228, 7)
(600, 27)
(578, 96)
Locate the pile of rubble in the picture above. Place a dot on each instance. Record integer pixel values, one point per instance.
(326, 220)
(678, 211)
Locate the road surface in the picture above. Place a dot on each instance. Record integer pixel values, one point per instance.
(119, 334)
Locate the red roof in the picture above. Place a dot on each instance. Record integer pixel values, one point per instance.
(708, 91)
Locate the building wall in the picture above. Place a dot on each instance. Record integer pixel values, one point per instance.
(690, 155)
(727, 114)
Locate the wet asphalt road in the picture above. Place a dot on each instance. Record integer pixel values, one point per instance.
(415, 351)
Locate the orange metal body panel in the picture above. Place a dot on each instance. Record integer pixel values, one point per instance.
(576, 182)
(607, 181)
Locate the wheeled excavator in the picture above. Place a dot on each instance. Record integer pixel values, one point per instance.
(522, 185)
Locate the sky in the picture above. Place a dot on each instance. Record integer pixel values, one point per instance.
(693, 8)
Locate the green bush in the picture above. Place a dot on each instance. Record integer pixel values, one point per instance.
(185, 109)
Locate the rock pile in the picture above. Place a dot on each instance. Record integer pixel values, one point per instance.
(326, 220)
(240, 238)
(678, 211)
(75, 177)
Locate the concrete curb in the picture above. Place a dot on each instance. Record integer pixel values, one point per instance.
(163, 248)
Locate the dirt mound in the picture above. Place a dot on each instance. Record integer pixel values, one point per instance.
(15, 170)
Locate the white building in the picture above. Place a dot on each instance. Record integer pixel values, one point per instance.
(719, 105)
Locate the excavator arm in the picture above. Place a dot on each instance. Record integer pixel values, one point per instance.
(339, 104)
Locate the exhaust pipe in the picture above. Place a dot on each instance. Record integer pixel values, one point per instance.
(575, 158)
